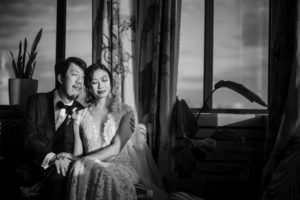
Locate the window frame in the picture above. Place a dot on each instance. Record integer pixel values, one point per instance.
(208, 63)
(208, 53)
(60, 49)
(61, 18)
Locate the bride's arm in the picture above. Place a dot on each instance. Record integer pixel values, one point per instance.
(78, 149)
(124, 132)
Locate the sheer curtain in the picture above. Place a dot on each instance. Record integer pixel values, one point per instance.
(281, 173)
(138, 41)
(113, 42)
(155, 72)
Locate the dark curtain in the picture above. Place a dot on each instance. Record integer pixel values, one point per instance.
(279, 180)
(156, 55)
(283, 16)
(138, 40)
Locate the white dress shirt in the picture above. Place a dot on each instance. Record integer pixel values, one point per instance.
(59, 117)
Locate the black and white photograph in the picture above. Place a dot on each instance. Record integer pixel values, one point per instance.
(149, 99)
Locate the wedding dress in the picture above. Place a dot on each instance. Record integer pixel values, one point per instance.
(114, 178)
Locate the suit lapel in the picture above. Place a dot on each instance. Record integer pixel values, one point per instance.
(50, 98)
(78, 105)
(51, 114)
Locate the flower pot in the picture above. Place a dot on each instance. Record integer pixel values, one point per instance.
(20, 89)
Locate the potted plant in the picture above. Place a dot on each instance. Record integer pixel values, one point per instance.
(189, 150)
(23, 66)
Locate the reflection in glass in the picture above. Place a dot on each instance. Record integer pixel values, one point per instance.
(79, 30)
(20, 19)
(240, 50)
(190, 66)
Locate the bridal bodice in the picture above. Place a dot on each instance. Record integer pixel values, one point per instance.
(91, 138)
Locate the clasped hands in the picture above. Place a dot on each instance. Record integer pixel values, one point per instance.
(62, 162)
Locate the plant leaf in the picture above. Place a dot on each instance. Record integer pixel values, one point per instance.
(32, 70)
(14, 65)
(20, 49)
(21, 67)
(24, 57)
(242, 90)
(36, 41)
(29, 66)
(19, 61)
(184, 156)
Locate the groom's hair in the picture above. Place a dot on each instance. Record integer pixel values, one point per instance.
(88, 76)
(62, 66)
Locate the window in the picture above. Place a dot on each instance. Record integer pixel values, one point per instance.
(16, 23)
(20, 19)
(190, 70)
(231, 43)
(79, 30)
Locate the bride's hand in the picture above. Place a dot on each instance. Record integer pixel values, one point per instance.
(62, 166)
(68, 156)
(74, 113)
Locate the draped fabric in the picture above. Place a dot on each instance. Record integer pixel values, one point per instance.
(281, 176)
(282, 57)
(113, 28)
(155, 73)
(113, 178)
(143, 34)
(136, 40)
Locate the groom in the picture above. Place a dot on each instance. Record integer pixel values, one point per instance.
(49, 126)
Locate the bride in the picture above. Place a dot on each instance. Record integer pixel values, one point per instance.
(103, 138)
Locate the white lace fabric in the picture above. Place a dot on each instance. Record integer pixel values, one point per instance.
(113, 179)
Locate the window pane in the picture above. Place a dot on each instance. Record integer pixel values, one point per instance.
(20, 19)
(240, 50)
(79, 30)
(190, 67)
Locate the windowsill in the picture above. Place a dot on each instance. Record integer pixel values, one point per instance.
(225, 119)
(232, 111)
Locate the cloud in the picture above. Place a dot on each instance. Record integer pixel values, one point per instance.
(191, 79)
(26, 8)
(74, 3)
(239, 49)
(78, 29)
(10, 26)
(190, 82)
(255, 29)
(23, 18)
(246, 21)
(255, 23)
(78, 5)
(16, 16)
(192, 6)
(4, 47)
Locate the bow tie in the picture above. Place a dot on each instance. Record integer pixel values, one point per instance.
(61, 105)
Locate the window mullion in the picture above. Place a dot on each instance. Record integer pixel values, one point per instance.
(61, 29)
(208, 50)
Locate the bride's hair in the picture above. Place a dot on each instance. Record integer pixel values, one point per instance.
(88, 76)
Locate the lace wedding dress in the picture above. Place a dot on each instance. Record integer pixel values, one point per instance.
(109, 180)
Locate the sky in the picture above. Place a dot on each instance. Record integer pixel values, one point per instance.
(240, 50)
(239, 43)
(24, 18)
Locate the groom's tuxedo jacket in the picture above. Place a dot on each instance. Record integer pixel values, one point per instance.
(40, 124)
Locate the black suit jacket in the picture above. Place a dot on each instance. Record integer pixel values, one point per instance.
(40, 124)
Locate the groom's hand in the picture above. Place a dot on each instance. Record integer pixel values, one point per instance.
(62, 166)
